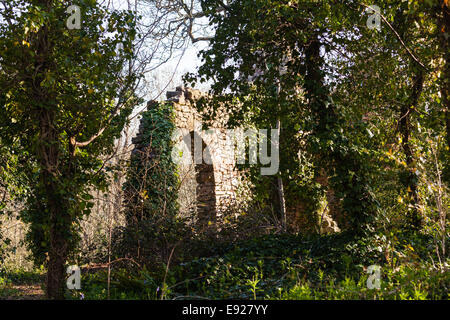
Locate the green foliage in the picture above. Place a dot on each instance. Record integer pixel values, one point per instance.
(11, 277)
(269, 263)
(152, 176)
(22, 276)
(123, 285)
(153, 225)
(364, 110)
(276, 267)
(73, 93)
(266, 36)
(295, 267)
(404, 283)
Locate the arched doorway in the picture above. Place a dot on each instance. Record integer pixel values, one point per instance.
(205, 184)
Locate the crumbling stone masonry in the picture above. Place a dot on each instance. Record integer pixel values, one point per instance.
(209, 186)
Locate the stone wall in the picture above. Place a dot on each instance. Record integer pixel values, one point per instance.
(207, 187)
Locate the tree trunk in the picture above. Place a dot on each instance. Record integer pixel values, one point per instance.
(281, 191)
(57, 258)
(444, 37)
(347, 177)
(55, 204)
(48, 153)
(406, 110)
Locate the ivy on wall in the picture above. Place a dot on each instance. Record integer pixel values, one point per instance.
(152, 177)
(154, 227)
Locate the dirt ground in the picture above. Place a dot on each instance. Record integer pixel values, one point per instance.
(23, 292)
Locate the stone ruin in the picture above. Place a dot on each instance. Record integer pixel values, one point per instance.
(211, 187)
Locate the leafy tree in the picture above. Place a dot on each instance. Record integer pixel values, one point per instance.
(334, 91)
(267, 35)
(391, 78)
(67, 96)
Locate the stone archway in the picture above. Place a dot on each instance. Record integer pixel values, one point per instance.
(216, 180)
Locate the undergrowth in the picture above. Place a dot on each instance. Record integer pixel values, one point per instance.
(287, 267)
